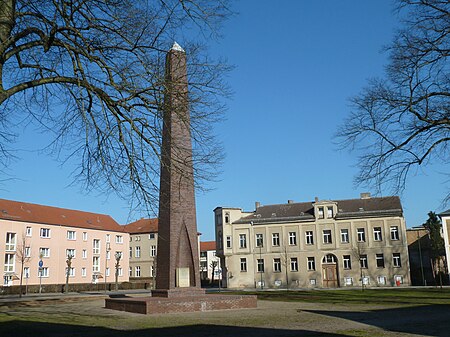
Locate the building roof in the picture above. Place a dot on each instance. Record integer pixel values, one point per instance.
(142, 226)
(347, 209)
(207, 245)
(445, 213)
(33, 213)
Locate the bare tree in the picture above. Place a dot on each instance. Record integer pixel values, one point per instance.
(23, 255)
(91, 73)
(402, 122)
(213, 266)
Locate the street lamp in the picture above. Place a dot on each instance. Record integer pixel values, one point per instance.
(118, 256)
(69, 265)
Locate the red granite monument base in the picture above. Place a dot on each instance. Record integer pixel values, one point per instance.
(165, 305)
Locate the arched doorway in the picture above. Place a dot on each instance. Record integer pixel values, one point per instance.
(329, 271)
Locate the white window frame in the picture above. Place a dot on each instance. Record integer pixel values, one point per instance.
(44, 251)
(243, 264)
(309, 237)
(137, 252)
(259, 240)
(242, 241)
(153, 250)
(119, 239)
(72, 251)
(330, 213)
(311, 263)
(275, 239)
(84, 254)
(44, 272)
(45, 233)
(327, 236)
(277, 265)
(395, 233)
(260, 265)
(85, 236)
(378, 258)
(361, 234)
(229, 241)
(347, 262)
(396, 260)
(363, 261)
(294, 264)
(71, 235)
(10, 263)
(377, 236)
(96, 246)
(10, 242)
(345, 237)
(293, 238)
(29, 231)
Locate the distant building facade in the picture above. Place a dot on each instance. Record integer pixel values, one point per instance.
(419, 251)
(207, 259)
(143, 248)
(327, 243)
(40, 239)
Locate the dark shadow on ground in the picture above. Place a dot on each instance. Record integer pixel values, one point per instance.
(21, 328)
(429, 320)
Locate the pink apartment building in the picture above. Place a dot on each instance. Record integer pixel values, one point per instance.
(43, 237)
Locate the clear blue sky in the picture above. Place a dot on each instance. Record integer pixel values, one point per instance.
(297, 64)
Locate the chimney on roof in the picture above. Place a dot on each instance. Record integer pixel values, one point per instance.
(316, 199)
(365, 195)
(290, 201)
(257, 204)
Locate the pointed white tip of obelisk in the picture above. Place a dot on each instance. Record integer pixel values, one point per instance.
(177, 47)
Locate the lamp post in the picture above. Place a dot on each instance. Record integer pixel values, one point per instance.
(69, 265)
(108, 249)
(118, 256)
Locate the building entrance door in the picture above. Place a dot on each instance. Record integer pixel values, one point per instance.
(329, 271)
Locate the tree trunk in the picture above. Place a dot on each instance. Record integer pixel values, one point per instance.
(7, 9)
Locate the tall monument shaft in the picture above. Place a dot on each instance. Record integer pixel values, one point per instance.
(177, 269)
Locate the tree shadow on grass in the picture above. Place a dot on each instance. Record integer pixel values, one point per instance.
(430, 320)
(26, 328)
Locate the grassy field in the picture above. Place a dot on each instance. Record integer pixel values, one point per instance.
(372, 312)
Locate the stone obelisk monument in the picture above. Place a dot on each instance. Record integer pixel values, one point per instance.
(177, 269)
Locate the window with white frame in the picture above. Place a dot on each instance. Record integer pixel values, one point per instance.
(28, 231)
(294, 264)
(137, 252)
(311, 263)
(348, 281)
(120, 272)
(330, 213)
(292, 238)
(363, 261)
(44, 252)
(228, 241)
(242, 241)
(26, 272)
(394, 233)
(85, 236)
(107, 271)
(377, 234)
(396, 260)
(44, 272)
(277, 265)
(9, 263)
(321, 212)
(243, 264)
(44, 232)
(151, 236)
(347, 262)
(27, 251)
(96, 247)
(131, 252)
(227, 218)
(275, 239)
(84, 254)
(108, 255)
(152, 271)
(71, 272)
(108, 237)
(379, 258)
(96, 264)
(344, 235)
(71, 235)
(10, 242)
(83, 272)
(70, 252)
(361, 234)
(153, 250)
(260, 265)
(327, 236)
(381, 280)
(130, 271)
(137, 238)
(259, 240)
(119, 239)
(309, 237)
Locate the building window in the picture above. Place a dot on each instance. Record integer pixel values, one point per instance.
(26, 272)
(131, 252)
(344, 236)
(152, 271)
(243, 264)
(321, 212)
(44, 232)
(259, 240)
(396, 260)
(84, 254)
(96, 246)
(363, 261)
(361, 233)
(377, 234)
(277, 265)
(85, 236)
(44, 252)
(108, 255)
(242, 241)
(311, 263)
(394, 233)
(381, 280)
(227, 218)
(137, 253)
(309, 237)
(9, 263)
(330, 212)
(83, 272)
(130, 271)
(44, 272)
(119, 239)
(137, 238)
(28, 231)
(120, 272)
(228, 241)
(27, 251)
(260, 265)
(71, 235)
(348, 281)
(151, 236)
(137, 271)
(96, 264)
(70, 252)
(153, 250)
(10, 242)
(294, 264)
(292, 238)
(380, 260)
(327, 236)
(71, 272)
(347, 262)
(275, 239)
